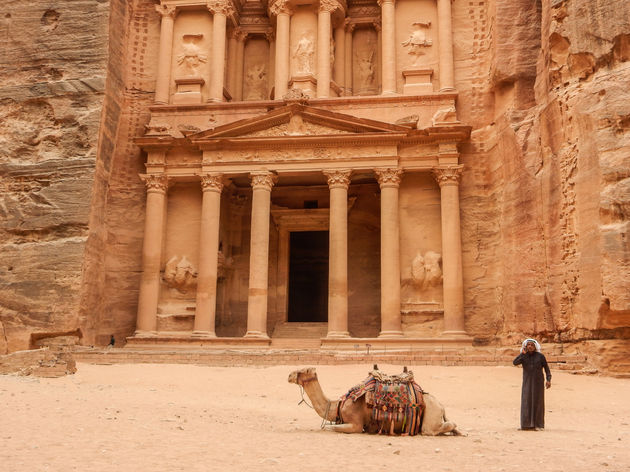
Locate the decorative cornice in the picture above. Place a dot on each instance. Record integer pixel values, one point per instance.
(262, 180)
(389, 177)
(449, 175)
(166, 10)
(155, 182)
(212, 182)
(220, 6)
(281, 6)
(338, 178)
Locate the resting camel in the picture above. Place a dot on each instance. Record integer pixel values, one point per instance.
(356, 416)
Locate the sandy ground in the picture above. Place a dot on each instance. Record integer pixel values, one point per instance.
(197, 418)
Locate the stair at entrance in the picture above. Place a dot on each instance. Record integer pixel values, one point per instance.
(298, 335)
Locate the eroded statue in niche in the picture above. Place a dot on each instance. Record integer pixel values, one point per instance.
(191, 56)
(255, 83)
(366, 69)
(303, 55)
(426, 270)
(180, 274)
(418, 40)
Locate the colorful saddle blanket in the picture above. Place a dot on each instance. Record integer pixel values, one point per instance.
(393, 399)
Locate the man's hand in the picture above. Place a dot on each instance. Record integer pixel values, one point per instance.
(548, 384)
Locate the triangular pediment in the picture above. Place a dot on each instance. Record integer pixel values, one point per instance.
(297, 120)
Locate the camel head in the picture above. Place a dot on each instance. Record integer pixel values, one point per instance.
(301, 376)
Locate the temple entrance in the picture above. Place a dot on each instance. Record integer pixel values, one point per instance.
(308, 276)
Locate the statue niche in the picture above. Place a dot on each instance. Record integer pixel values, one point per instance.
(256, 60)
(418, 41)
(189, 78)
(365, 61)
(303, 55)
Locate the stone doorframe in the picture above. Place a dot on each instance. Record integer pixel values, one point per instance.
(288, 221)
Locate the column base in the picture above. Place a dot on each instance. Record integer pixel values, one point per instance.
(389, 93)
(448, 89)
(454, 334)
(144, 334)
(256, 334)
(337, 334)
(390, 334)
(204, 334)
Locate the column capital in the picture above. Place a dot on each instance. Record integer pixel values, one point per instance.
(270, 35)
(155, 182)
(211, 182)
(388, 177)
(448, 175)
(220, 7)
(338, 178)
(328, 6)
(238, 34)
(378, 25)
(348, 25)
(280, 7)
(166, 10)
(263, 180)
(381, 2)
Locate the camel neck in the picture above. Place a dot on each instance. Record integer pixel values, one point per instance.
(320, 402)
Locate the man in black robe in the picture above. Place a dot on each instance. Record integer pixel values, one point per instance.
(533, 390)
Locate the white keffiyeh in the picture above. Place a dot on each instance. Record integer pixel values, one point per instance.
(531, 340)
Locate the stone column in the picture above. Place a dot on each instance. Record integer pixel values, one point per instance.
(151, 253)
(271, 39)
(259, 255)
(231, 62)
(445, 36)
(240, 53)
(163, 79)
(338, 182)
(211, 185)
(326, 7)
(220, 10)
(391, 321)
(388, 65)
(340, 56)
(348, 62)
(283, 27)
(448, 178)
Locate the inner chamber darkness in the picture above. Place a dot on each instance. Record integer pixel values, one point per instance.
(308, 276)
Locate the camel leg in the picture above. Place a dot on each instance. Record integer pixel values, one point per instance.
(345, 428)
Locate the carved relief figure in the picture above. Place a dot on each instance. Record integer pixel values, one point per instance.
(417, 41)
(366, 69)
(180, 274)
(303, 55)
(255, 82)
(426, 270)
(191, 56)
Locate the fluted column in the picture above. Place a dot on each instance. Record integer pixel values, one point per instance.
(283, 26)
(348, 62)
(220, 10)
(340, 56)
(338, 182)
(391, 321)
(205, 313)
(448, 178)
(262, 182)
(388, 71)
(240, 53)
(151, 254)
(326, 7)
(445, 35)
(163, 79)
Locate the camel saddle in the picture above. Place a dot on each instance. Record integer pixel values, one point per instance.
(393, 399)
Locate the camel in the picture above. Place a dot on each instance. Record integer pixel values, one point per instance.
(357, 416)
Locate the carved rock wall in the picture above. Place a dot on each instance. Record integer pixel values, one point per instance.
(545, 199)
(53, 64)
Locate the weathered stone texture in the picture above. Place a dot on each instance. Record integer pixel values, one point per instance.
(52, 79)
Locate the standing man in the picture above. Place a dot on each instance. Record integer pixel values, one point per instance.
(533, 392)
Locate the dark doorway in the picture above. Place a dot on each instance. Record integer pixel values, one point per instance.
(308, 276)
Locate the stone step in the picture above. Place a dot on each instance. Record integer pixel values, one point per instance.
(300, 330)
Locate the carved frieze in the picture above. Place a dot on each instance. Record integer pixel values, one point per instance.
(448, 175)
(303, 128)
